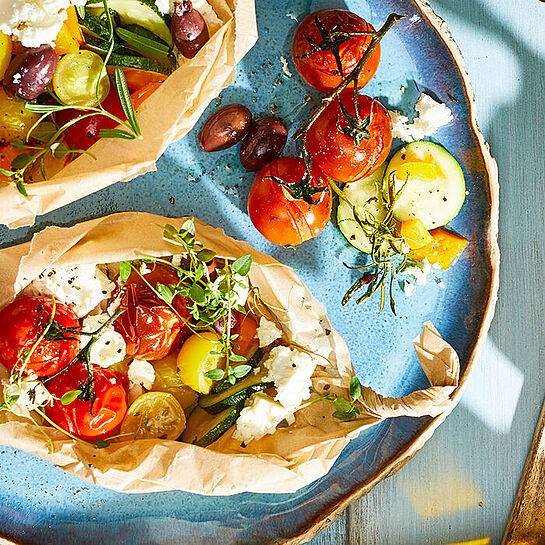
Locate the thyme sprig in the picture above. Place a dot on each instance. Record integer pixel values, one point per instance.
(345, 409)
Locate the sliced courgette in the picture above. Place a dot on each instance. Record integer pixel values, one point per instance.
(137, 12)
(431, 182)
(224, 384)
(203, 429)
(142, 63)
(238, 393)
(93, 25)
(144, 32)
(365, 197)
(100, 46)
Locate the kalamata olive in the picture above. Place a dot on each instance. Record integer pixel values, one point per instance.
(263, 143)
(29, 73)
(188, 28)
(225, 127)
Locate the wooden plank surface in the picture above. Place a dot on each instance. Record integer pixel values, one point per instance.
(462, 485)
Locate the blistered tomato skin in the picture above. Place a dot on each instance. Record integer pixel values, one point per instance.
(89, 420)
(336, 154)
(282, 220)
(150, 327)
(21, 324)
(30, 73)
(320, 69)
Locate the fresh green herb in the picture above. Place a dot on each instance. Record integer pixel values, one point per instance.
(100, 443)
(70, 397)
(124, 270)
(345, 409)
(141, 43)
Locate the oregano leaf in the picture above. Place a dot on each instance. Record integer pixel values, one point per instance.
(242, 265)
(124, 270)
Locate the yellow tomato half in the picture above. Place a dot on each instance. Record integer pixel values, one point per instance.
(198, 355)
(5, 53)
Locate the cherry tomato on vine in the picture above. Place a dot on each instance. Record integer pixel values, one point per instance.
(325, 52)
(347, 149)
(21, 324)
(101, 414)
(150, 327)
(274, 208)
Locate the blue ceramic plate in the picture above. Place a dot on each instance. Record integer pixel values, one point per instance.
(40, 504)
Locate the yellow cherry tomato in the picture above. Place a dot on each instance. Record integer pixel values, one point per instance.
(15, 120)
(198, 355)
(168, 380)
(76, 78)
(154, 415)
(5, 53)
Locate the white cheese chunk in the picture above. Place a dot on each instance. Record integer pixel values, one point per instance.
(240, 287)
(290, 370)
(431, 115)
(267, 332)
(110, 347)
(141, 372)
(260, 416)
(34, 22)
(27, 394)
(82, 287)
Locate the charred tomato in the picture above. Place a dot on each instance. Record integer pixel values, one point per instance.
(345, 147)
(102, 409)
(21, 325)
(327, 46)
(151, 328)
(275, 208)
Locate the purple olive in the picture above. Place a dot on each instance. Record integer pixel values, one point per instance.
(30, 73)
(188, 28)
(225, 127)
(263, 143)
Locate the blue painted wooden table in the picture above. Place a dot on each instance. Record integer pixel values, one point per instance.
(461, 485)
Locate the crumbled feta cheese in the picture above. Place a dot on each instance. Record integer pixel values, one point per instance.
(82, 286)
(285, 67)
(260, 417)
(431, 115)
(142, 372)
(240, 287)
(177, 260)
(165, 6)
(29, 394)
(110, 347)
(417, 276)
(267, 332)
(290, 370)
(144, 269)
(34, 22)
(408, 288)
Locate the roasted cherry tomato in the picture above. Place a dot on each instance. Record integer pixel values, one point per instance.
(98, 417)
(21, 324)
(349, 157)
(150, 327)
(83, 134)
(320, 37)
(246, 329)
(277, 214)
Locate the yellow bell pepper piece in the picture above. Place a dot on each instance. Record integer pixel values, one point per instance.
(483, 541)
(444, 249)
(70, 37)
(415, 234)
(198, 355)
(5, 53)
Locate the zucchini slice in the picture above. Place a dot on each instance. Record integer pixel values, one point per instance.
(93, 25)
(137, 12)
(100, 46)
(238, 393)
(144, 32)
(203, 429)
(142, 63)
(433, 184)
(366, 197)
(224, 384)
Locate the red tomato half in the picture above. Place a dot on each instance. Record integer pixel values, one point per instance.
(21, 324)
(320, 70)
(150, 327)
(89, 420)
(336, 154)
(280, 219)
